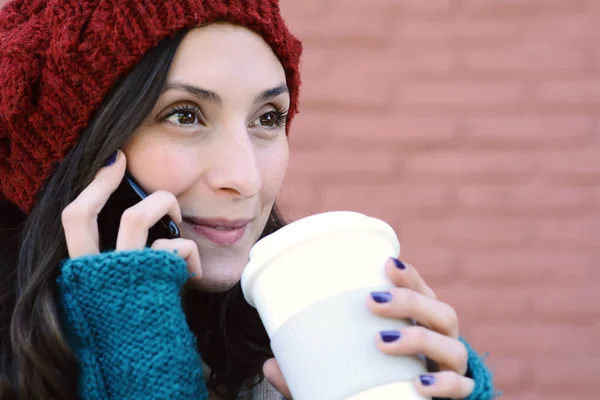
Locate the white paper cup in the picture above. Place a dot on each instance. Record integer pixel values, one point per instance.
(309, 282)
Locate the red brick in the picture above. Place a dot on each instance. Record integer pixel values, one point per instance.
(568, 302)
(527, 267)
(389, 63)
(571, 165)
(482, 303)
(568, 375)
(529, 130)
(423, 8)
(468, 233)
(363, 63)
(573, 29)
(435, 265)
(422, 61)
(299, 199)
(473, 95)
(503, 199)
(299, 15)
(597, 198)
(542, 57)
(385, 200)
(521, 8)
(576, 233)
(458, 30)
(327, 163)
(360, 7)
(310, 129)
(382, 130)
(511, 374)
(533, 338)
(304, 9)
(342, 27)
(350, 87)
(581, 91)
(536, 393)
(314, 62)
(468, 166)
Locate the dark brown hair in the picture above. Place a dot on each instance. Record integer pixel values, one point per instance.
(35, 359)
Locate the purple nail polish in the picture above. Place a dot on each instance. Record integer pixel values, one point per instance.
(112, 159)
(427, 380)
(381, 297)
(389, 336)
(399, 264)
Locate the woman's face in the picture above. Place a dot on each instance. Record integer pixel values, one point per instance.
(216, 139)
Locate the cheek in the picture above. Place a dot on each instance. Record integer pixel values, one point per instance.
(159, 167)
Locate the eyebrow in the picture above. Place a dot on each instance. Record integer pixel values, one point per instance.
(204, 94)
(271, 93)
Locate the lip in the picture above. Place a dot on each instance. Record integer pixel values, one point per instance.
(221, 231)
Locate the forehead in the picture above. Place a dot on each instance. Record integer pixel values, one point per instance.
(222, 57)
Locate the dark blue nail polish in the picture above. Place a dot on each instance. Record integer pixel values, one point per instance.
(381, 297)
(112, 159)
(389, 336)
(427, 380)
(399, 264)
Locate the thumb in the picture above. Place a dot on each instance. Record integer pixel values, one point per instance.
(275, 377)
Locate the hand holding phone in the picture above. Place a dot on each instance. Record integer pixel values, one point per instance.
(126, 219)
(127, 195)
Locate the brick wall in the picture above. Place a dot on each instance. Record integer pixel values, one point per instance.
(472, 127)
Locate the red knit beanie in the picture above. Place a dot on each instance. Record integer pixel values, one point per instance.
(60, 58)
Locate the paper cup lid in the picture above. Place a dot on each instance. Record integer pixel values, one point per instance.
(305, 229)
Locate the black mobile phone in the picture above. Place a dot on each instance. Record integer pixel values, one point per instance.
(128, 194)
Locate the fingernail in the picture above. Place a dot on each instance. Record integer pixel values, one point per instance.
(112, 159)
(399, 264)
(381, 297)
(427, 380)
(389, 336)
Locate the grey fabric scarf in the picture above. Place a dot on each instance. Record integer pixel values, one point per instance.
(263, 391)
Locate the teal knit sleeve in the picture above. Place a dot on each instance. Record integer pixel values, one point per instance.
(477, 370)
(122, 315)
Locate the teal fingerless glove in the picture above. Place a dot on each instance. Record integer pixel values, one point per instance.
(122, 315)
(476, 370)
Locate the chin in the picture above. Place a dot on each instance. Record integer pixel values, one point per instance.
(213, 287)
(216, 281)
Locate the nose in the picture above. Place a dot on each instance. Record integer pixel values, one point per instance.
(234, 168)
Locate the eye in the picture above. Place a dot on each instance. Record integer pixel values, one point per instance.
(183, 115)
(272, 119)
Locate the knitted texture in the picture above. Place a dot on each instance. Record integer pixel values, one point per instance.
(60, 58)
(484, 387)
(122, 316)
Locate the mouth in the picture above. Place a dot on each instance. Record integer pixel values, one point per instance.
(221, 231)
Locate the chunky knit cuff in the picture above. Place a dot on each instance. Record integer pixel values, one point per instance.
(477, 370)
(123, 317)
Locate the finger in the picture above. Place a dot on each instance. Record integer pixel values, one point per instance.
(402, 303)
(186, 249)
(445, 384)
(79, 217)
(403, 274)
(275, 377)
(449, 354)
(137, 219)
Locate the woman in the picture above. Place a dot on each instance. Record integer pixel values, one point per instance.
(195, 99)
